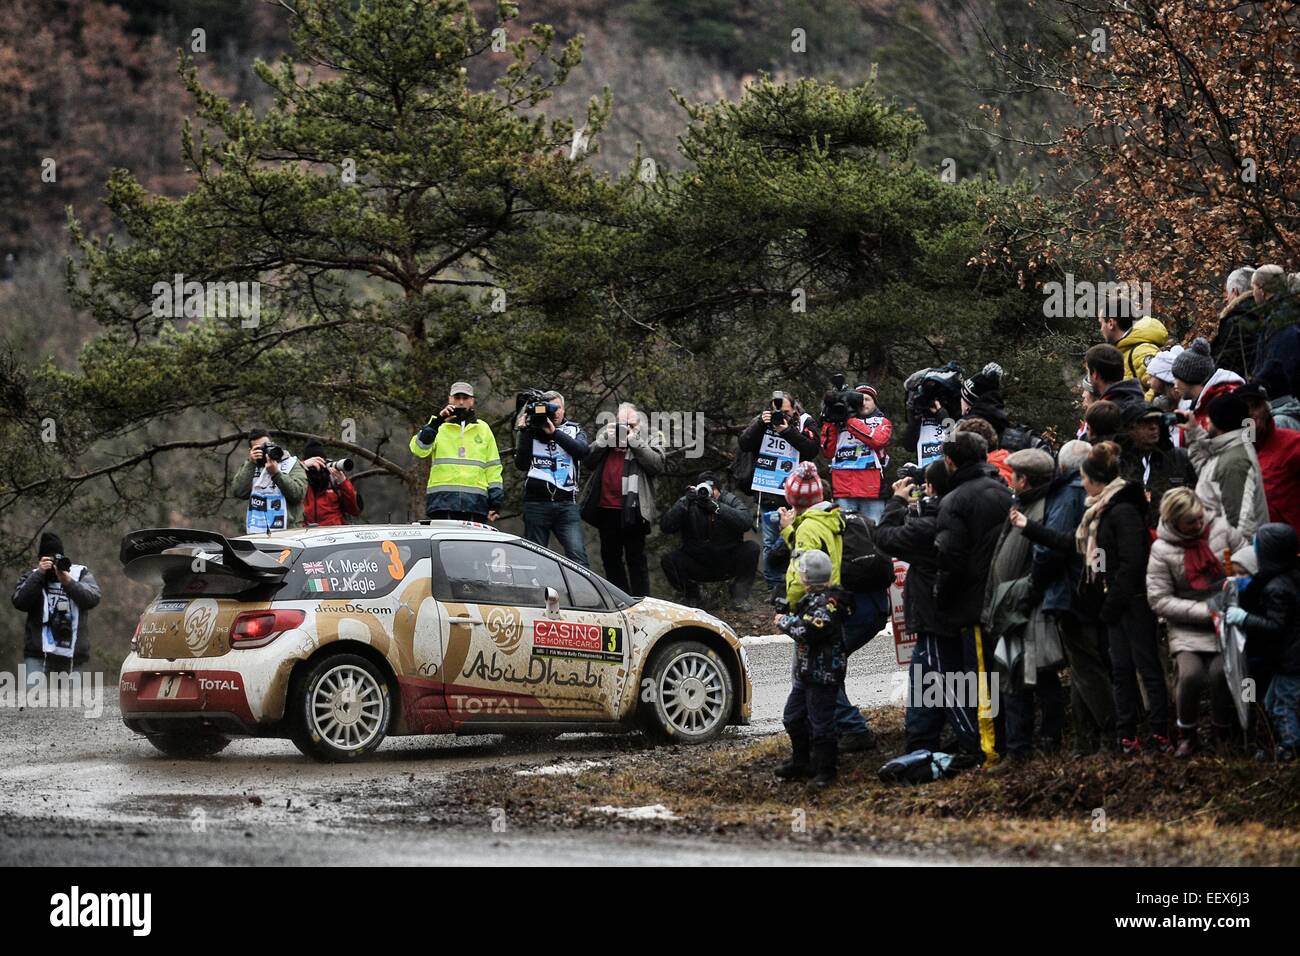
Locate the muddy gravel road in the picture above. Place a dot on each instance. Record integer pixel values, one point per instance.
(78, 790)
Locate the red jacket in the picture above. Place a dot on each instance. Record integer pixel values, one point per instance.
(1279, 461)
(331, 506)
(857, 482)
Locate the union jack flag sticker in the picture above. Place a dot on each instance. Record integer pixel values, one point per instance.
(313, 567)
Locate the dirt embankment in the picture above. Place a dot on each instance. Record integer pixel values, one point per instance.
(1210, 810)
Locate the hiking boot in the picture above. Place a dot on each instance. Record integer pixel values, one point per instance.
(1008, 764)
(1158, 743)
(825, 765)
(1130, 745)
(790, 771)
(1186, 743)
(738, 592)
(857, 742)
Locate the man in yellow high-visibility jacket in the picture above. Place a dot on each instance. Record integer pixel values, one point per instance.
(465, 475)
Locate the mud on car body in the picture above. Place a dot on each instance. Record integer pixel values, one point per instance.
(339, 637)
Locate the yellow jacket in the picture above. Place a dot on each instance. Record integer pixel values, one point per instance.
(466, 471)
(1145, 338)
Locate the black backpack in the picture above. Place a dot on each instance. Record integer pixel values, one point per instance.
(862, 566)
(1016, 438)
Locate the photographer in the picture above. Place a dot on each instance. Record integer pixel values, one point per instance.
(56, 595)
(778, 438)
(548, 448)
(854, 437)
(274, 482)
(331, 498)
(712, 523)
(465, 478)
(933, 399)
(620, 499)
(907, 531)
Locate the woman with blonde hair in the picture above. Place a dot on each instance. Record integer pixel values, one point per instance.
(1185, 570)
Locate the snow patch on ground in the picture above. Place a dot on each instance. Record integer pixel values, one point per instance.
(654, 812)
(561, 769)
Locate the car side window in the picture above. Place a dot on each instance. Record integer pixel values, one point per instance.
(584, 594)
(367, 569)
(497, 572)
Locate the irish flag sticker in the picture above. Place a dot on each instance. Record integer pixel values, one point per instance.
(318, 584)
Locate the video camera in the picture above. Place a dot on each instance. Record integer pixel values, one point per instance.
(929, 385)
(703, 491)
(840, 403)
(539, 410)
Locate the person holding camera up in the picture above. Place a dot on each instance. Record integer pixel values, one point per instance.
(331, 498)
(274, 482)
(548, 449)
(855, 434)
(712, 523)
(624, 461)
(779, 437)
(56, 596)
(465, 477)
(933, 398)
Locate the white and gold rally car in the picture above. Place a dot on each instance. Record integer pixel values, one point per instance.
(339, 637)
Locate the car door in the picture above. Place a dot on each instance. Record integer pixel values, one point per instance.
(511, 657)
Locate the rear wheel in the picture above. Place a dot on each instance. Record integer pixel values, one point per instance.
(690, 694)
(340, 709)
(189, 746)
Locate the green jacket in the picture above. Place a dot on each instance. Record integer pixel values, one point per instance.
(292, 484)
(819, 528)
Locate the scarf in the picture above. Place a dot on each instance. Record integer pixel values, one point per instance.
(1202, 566)
(1085, 537)
(631, 511)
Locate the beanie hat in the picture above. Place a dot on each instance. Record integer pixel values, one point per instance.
(803, 488)
(50, 544)
(1161, 365)
(1227, 412)
(814, 568)
(1194, 365)
(988, 379)
(1034, 464)
(866, 390)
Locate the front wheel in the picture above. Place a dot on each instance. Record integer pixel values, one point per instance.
(689, 695)
(340, 709)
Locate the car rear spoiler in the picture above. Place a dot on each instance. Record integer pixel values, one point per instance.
(147, 554)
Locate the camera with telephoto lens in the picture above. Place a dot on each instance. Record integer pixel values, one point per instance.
(272, 452)
(778, 414)
(840, 403)
(344, 465)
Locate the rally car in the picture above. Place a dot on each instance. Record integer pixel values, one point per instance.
(339, 637)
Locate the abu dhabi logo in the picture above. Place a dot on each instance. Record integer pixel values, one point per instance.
(199, 622)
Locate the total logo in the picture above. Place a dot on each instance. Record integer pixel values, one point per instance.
(209, 683)
(485, 705)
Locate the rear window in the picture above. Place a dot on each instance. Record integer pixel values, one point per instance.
(369, 569)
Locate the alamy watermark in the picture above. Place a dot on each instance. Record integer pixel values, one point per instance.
(38, 690)
(1084, 299)
(180, 299)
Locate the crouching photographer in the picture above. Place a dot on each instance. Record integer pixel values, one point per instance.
(331, 497)
(56, 596)
(712, 523)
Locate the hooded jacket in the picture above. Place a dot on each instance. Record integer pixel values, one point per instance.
(1272, 601)
(1124, 392)
(1184, 609)
(1145, 338)
(870, 433)
(706, 532)
(1229, 478)
(819, 528)
(970, 520)
(910, 537)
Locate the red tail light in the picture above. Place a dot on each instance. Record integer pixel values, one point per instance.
(259, 628)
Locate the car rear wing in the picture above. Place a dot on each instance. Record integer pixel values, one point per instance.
(156, 553)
